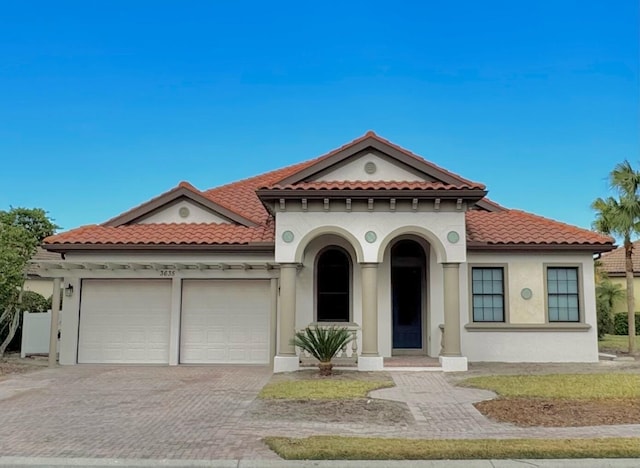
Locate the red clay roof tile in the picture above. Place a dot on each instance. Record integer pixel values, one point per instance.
(483, 227)
(166, 234)
(613, 263)
(515, 227)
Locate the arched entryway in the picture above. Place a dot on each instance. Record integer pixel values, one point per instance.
(408, 297)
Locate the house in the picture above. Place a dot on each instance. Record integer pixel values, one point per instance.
(411, 257)
(613, 264)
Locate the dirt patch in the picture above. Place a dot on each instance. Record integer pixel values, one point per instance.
(357, 411)
(13, 364)
(562, 413)
(351, 411)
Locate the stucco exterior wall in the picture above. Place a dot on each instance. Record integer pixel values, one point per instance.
(171, 214)
(621, 304)
(387, 226)
(385, 170)
(527, 336)
(42, 286)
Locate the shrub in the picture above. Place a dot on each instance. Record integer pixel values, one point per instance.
(605, 319)
(621, 324)
(323, 343)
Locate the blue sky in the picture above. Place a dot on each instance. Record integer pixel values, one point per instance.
(104, 105)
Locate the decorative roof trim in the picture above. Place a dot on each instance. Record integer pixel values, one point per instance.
(467, 194)
(485, 247)
(184, 190)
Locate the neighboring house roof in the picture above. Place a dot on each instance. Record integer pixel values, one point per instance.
(613, 263)
(41, 254)
(488, 224)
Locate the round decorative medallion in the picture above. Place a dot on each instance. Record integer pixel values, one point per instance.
(526, 293)
(370, 237)
(183, 212)
(370, 167)
(453, 237)
(288, 237)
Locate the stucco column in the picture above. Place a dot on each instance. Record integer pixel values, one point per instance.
(287, 308)
(55, 313)
(369, 308)
(451, 309)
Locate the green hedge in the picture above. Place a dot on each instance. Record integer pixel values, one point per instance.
(621, 324)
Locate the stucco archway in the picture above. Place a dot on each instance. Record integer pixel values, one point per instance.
(430, 237)
(329, 230)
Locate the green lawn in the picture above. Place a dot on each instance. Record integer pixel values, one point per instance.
(360, 448)
(571, 386)
(315, 389)
(616, 343)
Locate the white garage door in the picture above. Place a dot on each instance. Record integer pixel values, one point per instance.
(225, 321)
(124, 321)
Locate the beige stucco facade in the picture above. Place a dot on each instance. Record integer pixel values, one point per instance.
(621, 304)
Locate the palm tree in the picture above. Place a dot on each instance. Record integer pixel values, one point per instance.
(621, 218)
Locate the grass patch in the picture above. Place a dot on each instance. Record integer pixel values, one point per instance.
(616, 343)
(566, 386)
(360, 448)
(315, 389)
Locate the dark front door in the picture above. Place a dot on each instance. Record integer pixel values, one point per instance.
(407, 285)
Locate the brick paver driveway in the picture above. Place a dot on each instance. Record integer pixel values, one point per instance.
(189, 412)
(131, 412)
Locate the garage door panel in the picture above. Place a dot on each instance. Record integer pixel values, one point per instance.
(124, 321)
(225, 321)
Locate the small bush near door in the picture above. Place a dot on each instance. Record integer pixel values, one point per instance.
(621, 324)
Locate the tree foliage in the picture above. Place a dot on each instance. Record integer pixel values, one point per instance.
(21, 231)
(607, 294)
(620, 216)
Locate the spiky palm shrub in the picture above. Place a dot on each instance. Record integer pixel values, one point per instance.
(323, 343)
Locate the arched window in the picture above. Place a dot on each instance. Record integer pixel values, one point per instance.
(333, 285)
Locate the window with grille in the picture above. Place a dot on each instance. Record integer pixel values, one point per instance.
(488, 294)
(563, 294)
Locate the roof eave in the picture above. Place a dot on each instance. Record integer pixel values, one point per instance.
(267, 247)
(467, 194)
(486, 246)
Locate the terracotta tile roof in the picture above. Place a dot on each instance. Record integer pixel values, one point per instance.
(515, 227)
(506, 227)
(374, 185)
(613, 263)
(166, 234)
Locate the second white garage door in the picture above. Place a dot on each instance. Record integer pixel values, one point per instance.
(225, 321)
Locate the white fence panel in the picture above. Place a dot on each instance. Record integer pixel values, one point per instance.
(36, 327)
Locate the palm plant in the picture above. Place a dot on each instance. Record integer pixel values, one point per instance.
(323, 343)
(607, 294)
(621, 218)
